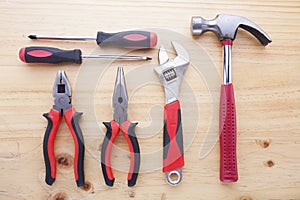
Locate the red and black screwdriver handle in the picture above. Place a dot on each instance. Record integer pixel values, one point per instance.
(127, 39)
(54, 119)
(127, 128)
(37, 54)
(173, 155)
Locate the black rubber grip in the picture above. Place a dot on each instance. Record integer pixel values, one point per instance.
(134, 170)
(38, 54)
(127, 39)
(127, 129)
(105, 153)
(79, 137)
(173, 154)
(48, 179)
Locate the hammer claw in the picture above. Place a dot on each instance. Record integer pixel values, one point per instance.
(258, 33)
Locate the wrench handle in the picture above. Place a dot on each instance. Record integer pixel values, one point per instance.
(173, 157)
(228, 161)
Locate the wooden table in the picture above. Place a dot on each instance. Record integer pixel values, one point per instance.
(267, 94)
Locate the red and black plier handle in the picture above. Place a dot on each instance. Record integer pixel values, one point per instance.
(54, 118)
(113, 129)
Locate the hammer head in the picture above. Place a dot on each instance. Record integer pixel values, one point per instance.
(225, 27)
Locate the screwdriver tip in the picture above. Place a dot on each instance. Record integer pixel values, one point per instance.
(33, 37)
(148, 58)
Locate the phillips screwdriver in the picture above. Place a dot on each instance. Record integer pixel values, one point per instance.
(125, 39)
(38, 54)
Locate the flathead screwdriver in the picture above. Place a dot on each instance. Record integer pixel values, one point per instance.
(38, 54)
(125, 39)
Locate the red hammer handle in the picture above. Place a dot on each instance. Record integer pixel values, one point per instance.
(228, 161)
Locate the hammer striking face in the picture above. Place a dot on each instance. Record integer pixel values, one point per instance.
(225, 27)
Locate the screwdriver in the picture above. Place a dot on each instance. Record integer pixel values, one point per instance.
(125, 39)
(38, 54)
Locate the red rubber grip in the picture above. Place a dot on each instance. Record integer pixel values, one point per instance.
(54, 120)
(72, 117)
(228, 161)
(111, 134)
(127, 129)
(152, 40)
(173, 157)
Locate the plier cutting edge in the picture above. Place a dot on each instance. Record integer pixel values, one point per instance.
(171, 73)
(120, 122)
(63, 107)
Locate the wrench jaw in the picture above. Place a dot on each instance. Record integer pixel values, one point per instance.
(162, 55)
(171, 72)
(168, 76)
(183, 58)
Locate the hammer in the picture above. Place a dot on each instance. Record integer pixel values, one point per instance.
(225, 27)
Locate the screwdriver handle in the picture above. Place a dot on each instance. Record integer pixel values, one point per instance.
(128, 39)
(228, 161)
(38, 54)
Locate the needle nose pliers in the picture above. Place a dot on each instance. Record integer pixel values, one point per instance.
(63, 107)
(120, 122)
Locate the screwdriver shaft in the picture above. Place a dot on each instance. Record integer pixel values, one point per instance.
(34, 37)
(117, 57)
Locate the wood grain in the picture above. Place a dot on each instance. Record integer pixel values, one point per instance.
(267, 92)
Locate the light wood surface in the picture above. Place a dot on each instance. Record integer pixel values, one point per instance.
(267, 92)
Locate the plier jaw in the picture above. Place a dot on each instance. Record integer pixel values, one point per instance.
(120, 98)
(171, 72)
(61, 93)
